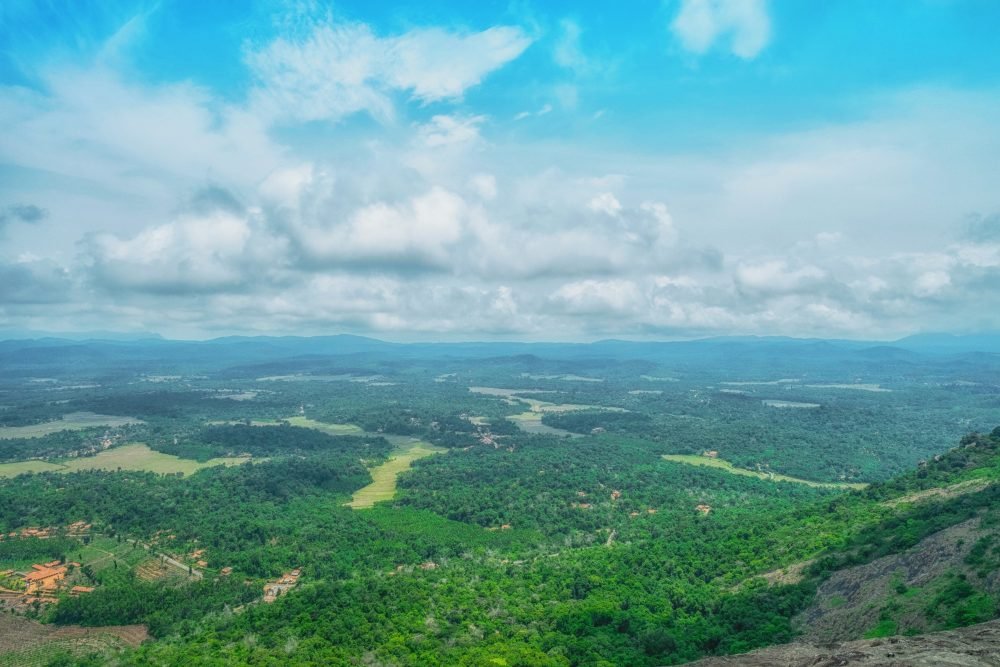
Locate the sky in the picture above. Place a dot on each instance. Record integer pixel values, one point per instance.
(525, 170)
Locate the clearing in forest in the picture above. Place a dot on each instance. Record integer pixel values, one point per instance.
(793, 405)
(329, 429)
(384, 476)
(126, 457)
(855, 387)
(74, 421)
(530, 421)
(722, 464)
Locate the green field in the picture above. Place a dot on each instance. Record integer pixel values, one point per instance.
(722, 464)
(384, 476)
(21, 467)
(127, 457)
(331, 429)
(71, 422)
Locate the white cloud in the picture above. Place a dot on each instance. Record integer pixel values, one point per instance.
(605, 203)
(419, 233)
(931, 283)
(342, 68)
(445, 130)
(484, 185)
(600, 297)
(139, 140)
(776, 277)
(426, 226)
(743, 25)
(207, 252)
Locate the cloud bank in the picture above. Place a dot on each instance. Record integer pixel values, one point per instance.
(354, 187)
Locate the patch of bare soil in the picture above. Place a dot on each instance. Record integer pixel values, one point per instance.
(942, 493)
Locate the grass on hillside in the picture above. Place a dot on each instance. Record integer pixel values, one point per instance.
(722, 464)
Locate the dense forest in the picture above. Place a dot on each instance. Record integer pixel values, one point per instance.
(548, 529)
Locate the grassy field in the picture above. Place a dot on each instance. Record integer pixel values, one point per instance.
(531, 422)
(331, 429)
(71, 422)
(127, 457)
(722, 464)
(21, 467)
(383, 486)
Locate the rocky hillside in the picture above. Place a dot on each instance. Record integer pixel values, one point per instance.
(973, 646)
(918, 586)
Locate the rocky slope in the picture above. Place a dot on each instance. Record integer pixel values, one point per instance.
(973, 646)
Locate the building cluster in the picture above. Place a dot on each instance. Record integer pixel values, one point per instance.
(39, 584)
(285, 583)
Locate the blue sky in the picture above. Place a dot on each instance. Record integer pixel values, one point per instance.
(556, 170)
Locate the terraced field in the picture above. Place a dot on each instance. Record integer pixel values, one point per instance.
(26, 643)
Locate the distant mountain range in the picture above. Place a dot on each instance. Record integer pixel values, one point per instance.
(230, 351)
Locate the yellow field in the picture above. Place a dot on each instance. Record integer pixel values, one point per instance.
(383, 486)
(71, 422)
(127, 457)
(722, 464)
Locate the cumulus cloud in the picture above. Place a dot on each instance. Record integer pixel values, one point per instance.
(340, 68)
(742, 26)
(438, 224)
(214, 246)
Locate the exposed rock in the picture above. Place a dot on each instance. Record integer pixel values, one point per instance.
(848, 603)
(974, 646)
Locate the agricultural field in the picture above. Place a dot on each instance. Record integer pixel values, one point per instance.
(28, 643)
(70, 422)
(385, 475)
(330, 429)
(126, 457)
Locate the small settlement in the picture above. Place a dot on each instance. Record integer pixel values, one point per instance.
(284, 583)
(42, 582)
